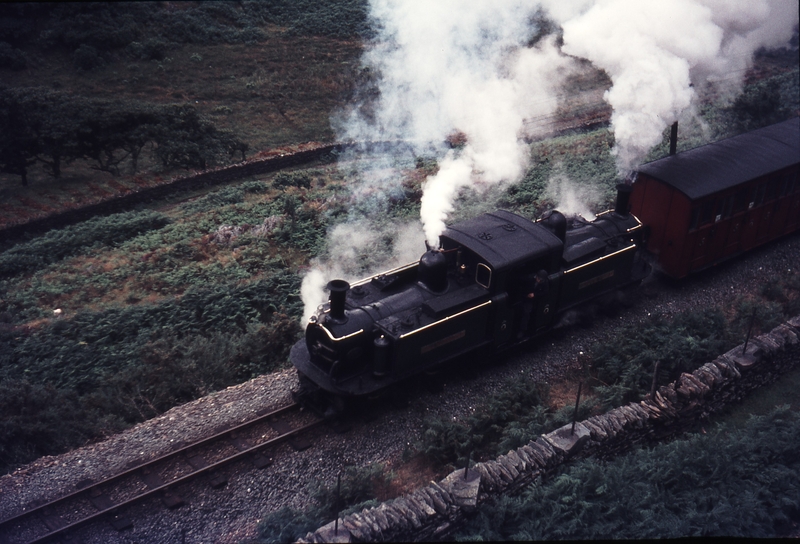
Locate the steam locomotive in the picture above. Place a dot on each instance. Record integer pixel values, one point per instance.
(469, 294)
(500, 279)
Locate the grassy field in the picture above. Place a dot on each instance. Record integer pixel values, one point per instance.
(116, 319)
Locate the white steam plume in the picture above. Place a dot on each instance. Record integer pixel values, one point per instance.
(450, 66)
(655, 51)
(570, 197)
(355, 251)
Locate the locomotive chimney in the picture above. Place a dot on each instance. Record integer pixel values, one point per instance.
(338, 289)
(623, 199)
(673, 138)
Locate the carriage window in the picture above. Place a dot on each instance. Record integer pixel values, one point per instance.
(695, 218)
(741, 200)
(706, 212)
(787, 185)
(727, 206)
(772, 189)
(483, 275)
(760, 190)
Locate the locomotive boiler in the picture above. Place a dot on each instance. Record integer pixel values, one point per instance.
(478, 291)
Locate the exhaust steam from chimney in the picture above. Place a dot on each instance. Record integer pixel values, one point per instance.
(481, 68)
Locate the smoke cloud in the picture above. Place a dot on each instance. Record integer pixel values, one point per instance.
(449, 67)
(480, 69)
(570, 197)
(656, 53)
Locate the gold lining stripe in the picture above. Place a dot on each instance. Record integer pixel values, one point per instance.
(386, 273)
(345, 337)
(448, 318)
(600, 259)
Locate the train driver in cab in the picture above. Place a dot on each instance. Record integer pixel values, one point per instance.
(534, 289)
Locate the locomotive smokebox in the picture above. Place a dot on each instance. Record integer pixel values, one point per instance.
(623, 199)
(338, 289)
(433, 271)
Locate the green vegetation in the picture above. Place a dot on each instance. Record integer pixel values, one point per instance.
(619, 372)
(158, 309)
(72, 240)
(122, 365)
(734, 482)
(145, 29)
(505, 421)
(623, 371)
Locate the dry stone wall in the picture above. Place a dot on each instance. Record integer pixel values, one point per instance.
(435, 511)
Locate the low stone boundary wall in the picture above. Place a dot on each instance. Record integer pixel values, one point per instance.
(435, 511)
(215, 176)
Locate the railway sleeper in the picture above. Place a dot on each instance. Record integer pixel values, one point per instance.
(53, 521)
(298, 443)
(261, 460)
(100, 500)
(172, 500)
(238, 442)
(120, 523)
(218, 480)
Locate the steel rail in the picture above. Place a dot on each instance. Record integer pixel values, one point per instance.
(186, 477)
(221, 435)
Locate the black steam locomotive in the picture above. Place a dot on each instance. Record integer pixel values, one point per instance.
(498, 280)
(480, 290)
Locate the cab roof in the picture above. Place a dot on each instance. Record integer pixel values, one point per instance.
(504, 239)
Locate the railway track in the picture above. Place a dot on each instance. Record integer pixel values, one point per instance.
(92, 502)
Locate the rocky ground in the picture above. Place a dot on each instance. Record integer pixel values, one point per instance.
(230, 514)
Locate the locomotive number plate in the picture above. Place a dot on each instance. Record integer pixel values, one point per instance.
(596, 279)
(444, 341)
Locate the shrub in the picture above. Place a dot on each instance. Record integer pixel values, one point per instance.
(681, 345)
(358, 491)
(87, 58)
(292, 179)
(11, 58)
(74, 239)
(149, 49)
(42, 420)
(507, 420)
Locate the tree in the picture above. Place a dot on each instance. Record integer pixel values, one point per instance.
(54, 129)
(17, 144)
(185, 139)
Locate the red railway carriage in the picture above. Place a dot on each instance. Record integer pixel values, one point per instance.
(712, 202)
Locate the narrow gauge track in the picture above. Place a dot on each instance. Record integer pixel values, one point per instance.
(93, 501)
